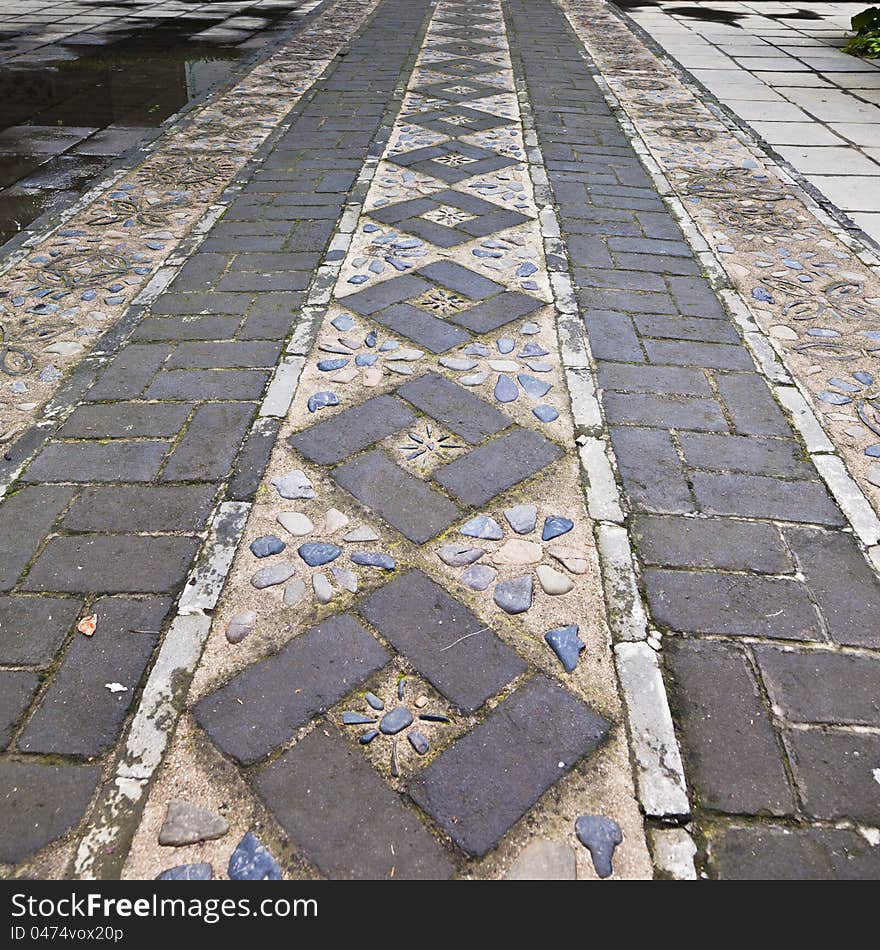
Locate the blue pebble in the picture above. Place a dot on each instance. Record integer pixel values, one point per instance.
(356, 719)
(335, 255)
(534, 387)
(371, 338)
(835, 399)
(371, 228)
(546, 413)
(526, 269)
(113, 300)
(838, 383)
(505, 389)
(554, 526)
(529, 285)
(566, 644)
(322, 400)
(482, 526)
(368, 737)
(866, 378)
(343, 322)
(374, 701)
(873, 451)
(252, 862)
(392, 722)
(366, 359)
(532, 349)
(316, 553)
(188, 872)
(358, 279)
(505, 344)
(327, 366)
(374, 559)
(267, 546)
(530, 329)
(760, 294)
(823, 332)
(389, 345)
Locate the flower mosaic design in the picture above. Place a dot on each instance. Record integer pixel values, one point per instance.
(396, 719)
(429, 446)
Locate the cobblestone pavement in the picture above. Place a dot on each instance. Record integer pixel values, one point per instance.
(369, 551)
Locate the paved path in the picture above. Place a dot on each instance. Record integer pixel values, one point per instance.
(455, 201)
(781, 71)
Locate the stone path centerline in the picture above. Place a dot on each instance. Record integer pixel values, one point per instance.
(509, 456)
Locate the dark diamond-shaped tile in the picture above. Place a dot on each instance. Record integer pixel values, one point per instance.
(458, 90)
(342, 816)
(461, 279)
(421, 620)
(384, 294)
(483, 784)
(447, 218)
(261, 707)
(457, 121)
(421, 328)
(452, 161)
(462, 67)
(497, 312)
(352, 430)
(464, 48)
(468, 416)
(404, 501)
(501, 463)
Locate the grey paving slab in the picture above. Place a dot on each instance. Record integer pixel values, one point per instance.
(481, 786)
(418, 617)
(260, 708)
(468, 416)
(343, 818)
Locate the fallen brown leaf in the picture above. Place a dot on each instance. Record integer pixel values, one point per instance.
(88, 624)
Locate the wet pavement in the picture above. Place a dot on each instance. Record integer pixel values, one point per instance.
(451, 503)
(81, 83)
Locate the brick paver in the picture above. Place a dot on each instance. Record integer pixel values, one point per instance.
(762, 597)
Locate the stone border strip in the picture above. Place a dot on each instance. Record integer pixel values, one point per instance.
(102, 850)
(659, 772)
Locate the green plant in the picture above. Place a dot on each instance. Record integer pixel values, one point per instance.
(866, 42)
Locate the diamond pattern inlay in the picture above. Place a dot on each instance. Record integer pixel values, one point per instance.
(452, 161)
(457, 121)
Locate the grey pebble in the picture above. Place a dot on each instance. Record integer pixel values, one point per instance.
(374, 559)
(316, 553)
(478, 576)
(267, 545)
(459, 555)
(522, 518)
(392, 722)
(482, 526)
(273, 574)
(514, 596)
(600, 836)
(418, 742)
(566, 644)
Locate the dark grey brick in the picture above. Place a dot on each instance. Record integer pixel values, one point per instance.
(834, 771)
(750, 454)
(385, 294)
(201, 303)
(657, 263)
(496, 312)
(758, 496)
(127, 633)
(253, 459)
(460, 411)
(97, 462)
(208, 384)
(186, 328)
(844, 585)
(587, 251)
(640, 245)
(751, 406)
(629, 301)
(25, 519)
(124, 420)
(33, 628)
(261, 708)
(257, 283)
(212, 440)
(129, 372)
(667, 412)
(694, 297)
(613, 336)
(732, 755)
(481, 786)
(821, 686)
(419, 619)
(705, 355)
(407, 503)
(710, 542)
(775, 853)
(133, 508)
(40, 803)
(224, 355)
(343, 818)
(652, 473)
(616, 279)
(686, 328)
(501, 463)
(421, 327)
(670, 380)
(17, 688)
(352, 430)
(112, 563)
(732, 604)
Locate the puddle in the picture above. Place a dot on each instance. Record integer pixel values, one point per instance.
(69, 108)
